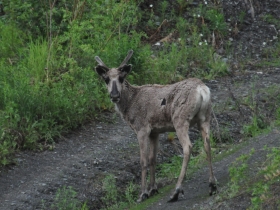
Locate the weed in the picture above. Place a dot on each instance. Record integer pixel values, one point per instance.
(241, 17)
(216, 21)
(65, 199)
(238, 173)
(131, 193)
(171, 136)
(171, 169)
(268, 175)
(110, 188)
(113, 199)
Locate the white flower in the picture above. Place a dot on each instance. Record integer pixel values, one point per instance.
(264, 43)
(205, 2)
(151, 5)
(200, 34)
(198, 15)
(200, 43)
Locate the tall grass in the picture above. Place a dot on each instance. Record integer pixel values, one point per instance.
(47, 80)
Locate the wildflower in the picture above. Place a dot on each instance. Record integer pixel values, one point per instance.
(200, 43)
(264, 43)
(198, 15)
(200, 34)
(151, 5)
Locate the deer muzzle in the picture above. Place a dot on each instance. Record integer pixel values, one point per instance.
(115, 94)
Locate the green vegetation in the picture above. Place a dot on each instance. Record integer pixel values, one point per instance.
(261, 185)
(65, 199)
(117, 198)
(47, 83)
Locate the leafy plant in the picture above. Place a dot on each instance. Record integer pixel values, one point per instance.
(268, 176)
(65, 199)
(171, 169)
(216, 21)
(110, 188)
(238, 173)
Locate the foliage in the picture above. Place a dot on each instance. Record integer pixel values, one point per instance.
(171, 169)
(47, 55)
(238, 173)
(113, 198)
(261, 184)
(254, 128)
(47, 82)
(268, 175)
(65, 199)
(110, 188)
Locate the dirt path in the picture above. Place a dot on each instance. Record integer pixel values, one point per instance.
(85, 157)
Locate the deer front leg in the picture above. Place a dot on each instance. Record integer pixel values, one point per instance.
(183, 136)
(143, 137)
(152, 161)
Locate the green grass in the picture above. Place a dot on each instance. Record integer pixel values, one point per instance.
(47, 82)
(65, 199)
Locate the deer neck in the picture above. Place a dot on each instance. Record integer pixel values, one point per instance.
(128, 94)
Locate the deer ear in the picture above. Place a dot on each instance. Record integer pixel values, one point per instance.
(101, 70)
(125, 70)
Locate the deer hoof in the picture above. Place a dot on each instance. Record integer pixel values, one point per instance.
(213, 188)
(143, 197)
(175, 195)
(153, 192)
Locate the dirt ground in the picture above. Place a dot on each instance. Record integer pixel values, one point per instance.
(84, 157)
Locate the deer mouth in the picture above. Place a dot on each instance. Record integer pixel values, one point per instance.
(115, 100)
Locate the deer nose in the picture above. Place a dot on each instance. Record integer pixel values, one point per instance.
(115, 94)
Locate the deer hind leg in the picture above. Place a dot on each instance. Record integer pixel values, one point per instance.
(143, 138)
(152, 161)
(205, 130)
(184, 139)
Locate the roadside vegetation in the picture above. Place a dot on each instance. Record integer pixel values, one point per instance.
(47, 79)
(48, 85)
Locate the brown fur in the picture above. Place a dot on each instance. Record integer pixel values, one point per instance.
(153, 109)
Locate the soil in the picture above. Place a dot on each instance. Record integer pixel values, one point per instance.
(84, 157)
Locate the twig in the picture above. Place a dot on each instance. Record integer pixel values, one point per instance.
(159, 28)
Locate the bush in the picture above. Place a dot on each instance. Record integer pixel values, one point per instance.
(47, 83)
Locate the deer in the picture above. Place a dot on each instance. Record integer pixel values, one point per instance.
(153, 109)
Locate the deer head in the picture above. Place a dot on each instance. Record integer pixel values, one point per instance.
(114, 77)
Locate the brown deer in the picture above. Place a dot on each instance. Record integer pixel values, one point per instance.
(153, 109)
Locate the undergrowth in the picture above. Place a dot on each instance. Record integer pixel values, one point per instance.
(47, 80)
(116, 198)
(65, 199)
(261, 185)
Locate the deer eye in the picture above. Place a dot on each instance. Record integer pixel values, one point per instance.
(121, 79)
(107, 80)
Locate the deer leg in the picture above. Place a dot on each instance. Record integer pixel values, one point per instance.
(143, 138)
(184, 139)
(205, 129)
(152, 161)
